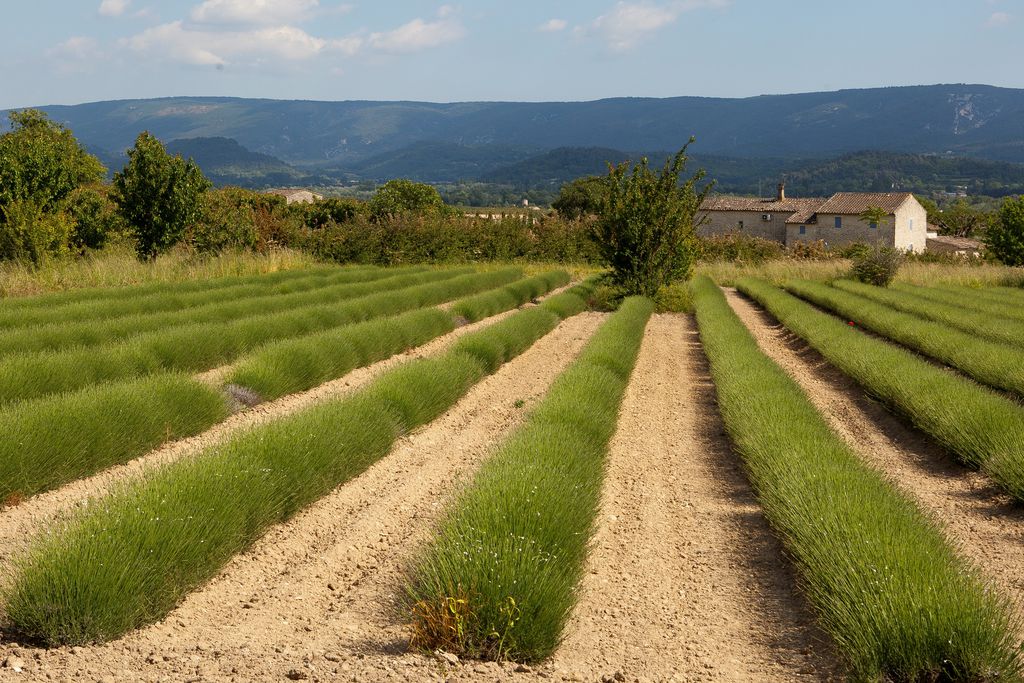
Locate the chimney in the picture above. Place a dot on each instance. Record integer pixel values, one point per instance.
(781, 196)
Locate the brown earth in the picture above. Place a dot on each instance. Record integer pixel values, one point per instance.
(685, 580)
(980, 520)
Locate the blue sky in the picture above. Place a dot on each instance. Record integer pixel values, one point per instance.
(71, 51)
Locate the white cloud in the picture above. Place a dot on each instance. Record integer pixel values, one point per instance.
(999, 19)
(114, 8)
(553, 25)
(220, 48)
(629, 23)
(419, 34)
(78, 54)
(254, 12)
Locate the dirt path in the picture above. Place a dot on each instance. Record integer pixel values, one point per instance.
(685, 576)
(316, 598)
(983, 522)
(18, 525)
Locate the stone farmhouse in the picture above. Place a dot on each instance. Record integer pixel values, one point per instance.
(835, 220)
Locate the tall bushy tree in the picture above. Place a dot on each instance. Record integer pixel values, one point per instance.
(158, 195)
(42, 162)
(648, 222)
(405, 196)
(1005, 236)
(41, 165)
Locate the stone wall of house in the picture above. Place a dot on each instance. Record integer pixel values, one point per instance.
(748, 223)
(853, 230)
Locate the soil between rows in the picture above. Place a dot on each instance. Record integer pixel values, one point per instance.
(981, 521)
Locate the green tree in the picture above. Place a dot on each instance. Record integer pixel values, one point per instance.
(42, 162)
(874, 215)
(581, 197)
(400, 196)
(31, 234)
(646, 230)
(160, 196)
(95, 217)
(1005, 236)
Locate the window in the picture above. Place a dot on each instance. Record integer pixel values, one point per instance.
(911, 226)
(873, 225)
(839, 222)
(803, 229)
(741, 225)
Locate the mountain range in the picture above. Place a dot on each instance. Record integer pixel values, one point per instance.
(256, 141)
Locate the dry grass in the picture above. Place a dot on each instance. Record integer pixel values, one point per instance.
(118, 266)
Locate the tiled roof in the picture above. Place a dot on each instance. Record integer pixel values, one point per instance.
(755, 204)
(855, 203)
(964, 243)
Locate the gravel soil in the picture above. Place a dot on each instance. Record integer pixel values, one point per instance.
(981, 521)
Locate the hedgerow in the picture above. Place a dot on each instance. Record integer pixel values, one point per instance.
(897, 600)
(79, 304)
(499, 579)
(489, 303)
(207, 345)
(297, 364)
(51, 441)
(1005, 330)
(295, 294)
(983, 428)
(173, 530)
(997, 365)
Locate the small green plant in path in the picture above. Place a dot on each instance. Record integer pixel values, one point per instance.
(512, 549)
(129, 561)
(898, 601)
(646, 227)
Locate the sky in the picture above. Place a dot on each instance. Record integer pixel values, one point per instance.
(73, 51)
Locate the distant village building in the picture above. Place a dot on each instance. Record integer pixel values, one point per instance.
(295, 195)
(835, 220)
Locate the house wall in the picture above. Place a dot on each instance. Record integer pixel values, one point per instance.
(728, 223)
(853, 230)
(912, 227)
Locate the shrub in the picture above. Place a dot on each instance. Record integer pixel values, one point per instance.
(514, 545)
(877, 265)
(1005, 236)
(227, 221)
(95, 217)
(738, 247)
(646, 227)
(30, 234)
